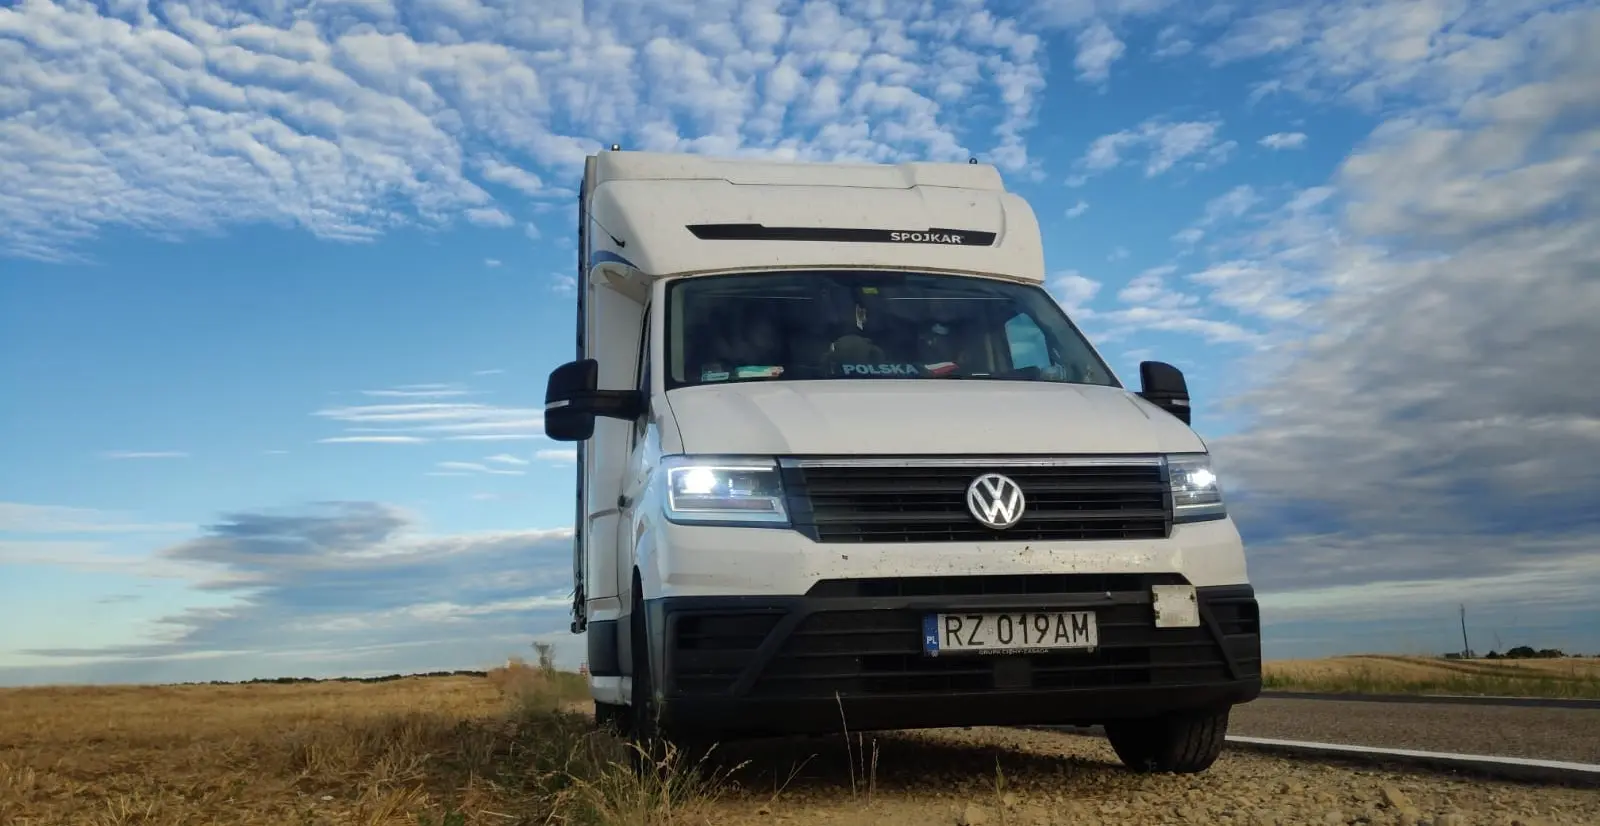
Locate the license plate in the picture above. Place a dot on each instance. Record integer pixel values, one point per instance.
(1008, 633)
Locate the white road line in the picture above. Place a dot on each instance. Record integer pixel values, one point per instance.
(1551, 772)
(1437, 699)
(1516, 768)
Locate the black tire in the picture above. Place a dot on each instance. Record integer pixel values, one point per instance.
(652, 746)
(647, 745)
(1178, 743)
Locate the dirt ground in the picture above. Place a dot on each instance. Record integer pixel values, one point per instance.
(513, 749)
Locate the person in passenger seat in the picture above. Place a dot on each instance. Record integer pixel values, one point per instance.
(938, 349)
(758, 346)
(710, 348)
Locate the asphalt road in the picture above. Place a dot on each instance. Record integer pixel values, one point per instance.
(1550, 734)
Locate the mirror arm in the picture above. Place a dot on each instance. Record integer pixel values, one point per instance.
(615, 404)
(1175, 403)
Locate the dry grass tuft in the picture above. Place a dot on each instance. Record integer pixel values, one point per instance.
(1389, 674)
(507, 750)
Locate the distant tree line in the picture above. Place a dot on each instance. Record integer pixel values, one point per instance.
(384, 679)
(546, 654)
(1522, 652)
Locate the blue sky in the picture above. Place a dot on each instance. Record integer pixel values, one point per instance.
(280, 284)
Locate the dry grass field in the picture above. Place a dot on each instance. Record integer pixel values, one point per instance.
(519, 748)
(511, 749)
(1387, 674)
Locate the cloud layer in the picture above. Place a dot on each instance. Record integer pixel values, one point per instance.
(1440, 423)
(342, 587)
(348, 119)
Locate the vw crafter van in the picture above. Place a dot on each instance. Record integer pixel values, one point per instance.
(843, 461)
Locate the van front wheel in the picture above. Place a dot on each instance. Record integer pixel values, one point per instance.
(1179, 743)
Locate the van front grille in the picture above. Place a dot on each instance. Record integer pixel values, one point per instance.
(916, 502)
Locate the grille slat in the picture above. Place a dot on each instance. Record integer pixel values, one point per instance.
(868, 503)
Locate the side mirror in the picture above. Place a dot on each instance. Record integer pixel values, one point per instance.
(571, 401)
(1163, 385)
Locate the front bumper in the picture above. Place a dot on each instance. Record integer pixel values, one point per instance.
(790, 665)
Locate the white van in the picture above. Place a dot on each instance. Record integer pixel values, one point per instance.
(842, 460)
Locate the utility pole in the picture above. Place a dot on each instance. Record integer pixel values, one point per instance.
(1466, 647)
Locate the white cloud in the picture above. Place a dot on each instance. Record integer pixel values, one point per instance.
(1377, 51)
(491, 262)
(1264, 267)
(506, 459)
(1265, 32)
(563, 284)
(1284, 140)
(428, 418)
(98, 557)
(559, 456)
(145, 454)
(372, 440)
(1251, 288)
(1170, 42)
(1165, 145)
(1078, 209)
(1098, 48)
(1308, 577)
(1074, 290)
(1232, 204)
(1071, 13)
(513, 176)
(351, 121)
(490, 217)
(477, 467)
(1149, 288)
(419, 391)
(20, 517)
(1151, 304)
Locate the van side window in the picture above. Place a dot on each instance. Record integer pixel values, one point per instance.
(1028, 345)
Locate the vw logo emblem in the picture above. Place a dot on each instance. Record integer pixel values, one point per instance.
(996, 501)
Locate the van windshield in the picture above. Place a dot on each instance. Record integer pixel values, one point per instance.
(870, 325)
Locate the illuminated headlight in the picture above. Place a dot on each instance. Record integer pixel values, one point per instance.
(1196, 495)
(716, 490)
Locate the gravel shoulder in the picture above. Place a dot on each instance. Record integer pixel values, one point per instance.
(1005, 777)
(1544, 733)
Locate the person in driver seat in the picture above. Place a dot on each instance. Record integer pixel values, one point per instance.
(853, 345)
